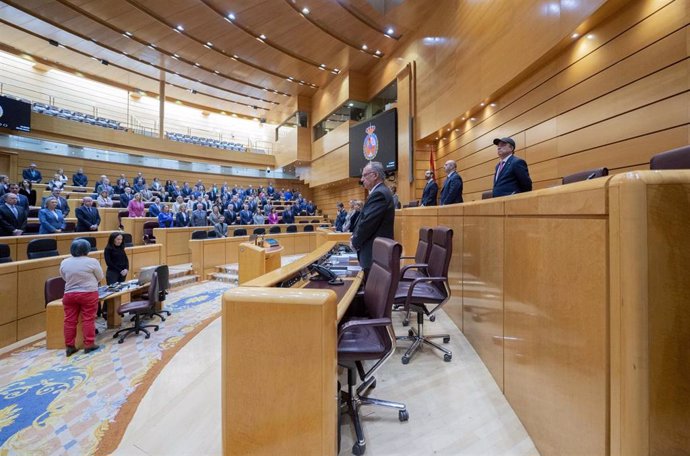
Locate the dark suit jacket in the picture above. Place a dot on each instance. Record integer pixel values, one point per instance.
(154, 210)
(429, 195)
(182, 220)
(246, 217)
(514, 178)
(125, 199)
(451, 192)
(87, 217)
(375, 220)
(80, 179)
(340, 220)
(8, 223)
(288, 216)
(355, 217)
(35, 177)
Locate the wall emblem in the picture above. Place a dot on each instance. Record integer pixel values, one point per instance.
(371, 143)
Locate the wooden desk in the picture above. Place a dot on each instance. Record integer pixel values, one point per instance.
(280, 346)
(256, 261)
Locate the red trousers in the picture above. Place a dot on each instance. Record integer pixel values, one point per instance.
(86, 303)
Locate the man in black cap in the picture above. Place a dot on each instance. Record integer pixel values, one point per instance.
(512, 175)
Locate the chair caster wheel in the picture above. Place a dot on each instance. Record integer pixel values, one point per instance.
(432, 318)
(405, 360)
(358, 449)
(447, 357)
(148, 336)
(114, 336)
(156, 328)
(406, 322)
(403, 415)
(373, 385)
(410, 333)
(446, 340)
(120, 341)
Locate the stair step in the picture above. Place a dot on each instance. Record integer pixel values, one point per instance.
(183, 280)
(224, 277)
(232, 268)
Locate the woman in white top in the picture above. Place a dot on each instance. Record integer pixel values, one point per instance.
(61, 174)
(176, 205)
(55, 183)
(81, 275)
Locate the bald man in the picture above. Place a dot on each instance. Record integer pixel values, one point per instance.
(451, 192)
(88, 218)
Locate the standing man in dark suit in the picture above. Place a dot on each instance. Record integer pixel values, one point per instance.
(182, 218)
(512, 175)
(12, 216)
(451, 192)
(32, 174)
(80, 179)
(22, 201)
(430, 189)
(377, 216)
(88, 218)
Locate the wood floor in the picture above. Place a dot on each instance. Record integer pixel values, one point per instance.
(455, 408)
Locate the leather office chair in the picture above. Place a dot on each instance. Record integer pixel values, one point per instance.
(139, 309)
(291, 229)
(240, 232)
(148, 227)
(370, 336)
(308, 228)
(315, 221)
(673, 159)
(41, 248)
(200, 234)
(163, 274)
(487, 194)
(212, 234)
(92, 241)
(70, 227)
(421, 256)
(5, 256)
(431, 290)
(32, 228)
(53, 289)
(274, 229)
(585, 175)
(411, 204)
(33, 212)
(121, 214)
(259, 231)
(127, 240)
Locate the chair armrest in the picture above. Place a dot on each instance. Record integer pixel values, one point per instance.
(367, 322)
(418, 280)
(421, 266)
(407, 258)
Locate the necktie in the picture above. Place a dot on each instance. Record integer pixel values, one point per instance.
(14, 211)
(500, 168)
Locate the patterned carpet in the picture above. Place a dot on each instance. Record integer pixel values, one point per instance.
(50, 404)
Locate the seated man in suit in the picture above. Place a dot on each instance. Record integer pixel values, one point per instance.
(32, 174)
(88, 218)
(62, 204)
(80, 179)
(12, 216)
(451, 192)
(430, 189)
(512, 175)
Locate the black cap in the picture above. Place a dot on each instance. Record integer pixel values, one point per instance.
(505, 140)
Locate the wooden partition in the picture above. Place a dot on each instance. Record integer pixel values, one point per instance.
(575, 298)
(109, 220)
(135, 227)
(18, 244)
(22, 307)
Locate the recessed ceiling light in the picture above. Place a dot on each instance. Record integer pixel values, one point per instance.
(590, 37)
(447, 129)
(196, 64)
(436, 138)
(365, 47)
(180, 28)
(234, 56)
(209, 44)
(262, 36)
(305, 10)
(378, 52)
(575, 35)
(216, 71)
(231, 16)
(482, 104)
(350, 105)
(390, 31)
(493, 105)
(472, 119)
(128, 33)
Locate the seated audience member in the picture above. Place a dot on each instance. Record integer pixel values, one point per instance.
(288, 215)
(116, 261)
(221, 228)
(165, 218)
(198, 217)
(430, 189)
(155, 207)
(104, 199)
(88, 218)
(105, 186)
(355, 215)
(451, 192)
(12, 216)
(259, 218)
(136, 206)
(32, 174)
(56, 182)
(273, 217)
(121, 184)
(139, 181)
(51, 218)
(246, 216)
(126, 197)
(62, 203)
(215, 215)
(156, 185)
(287, 195)
(22, 200)
(80, 179)
(340, 217)
(82, 275)
(512, 175)
(99, 181)
(146, 195)
(61, 175)
(182, 218)
(27, 191)
(186, 190)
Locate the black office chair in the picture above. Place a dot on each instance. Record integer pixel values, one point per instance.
(275, 229)
(212, 234)
(70, 227)
(5, 256)
(149, 237)
(200, 234)
(259, 231)
(127, 240)
(431, 290)
(92, 241)
(31, 228)
(139, 309)
(308, 228)
(421, 256)
(673, 159)
(487, 194)
(33, 212)
(163, 274)
(41, 248)
(240, 232)
(585, 175)
(368, 335)
(291, 229)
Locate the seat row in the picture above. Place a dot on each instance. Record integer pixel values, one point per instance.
(76, 116)
(207, 142)
(43, 248)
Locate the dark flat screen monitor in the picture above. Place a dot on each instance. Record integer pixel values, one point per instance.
(374, 139)
(15, 114)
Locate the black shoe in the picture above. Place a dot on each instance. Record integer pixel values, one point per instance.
(92, 348)
(70, 350)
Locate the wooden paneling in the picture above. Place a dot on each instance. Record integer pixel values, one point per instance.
(18, 244)
(327, 196)
(336, 138)
(347, 85)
